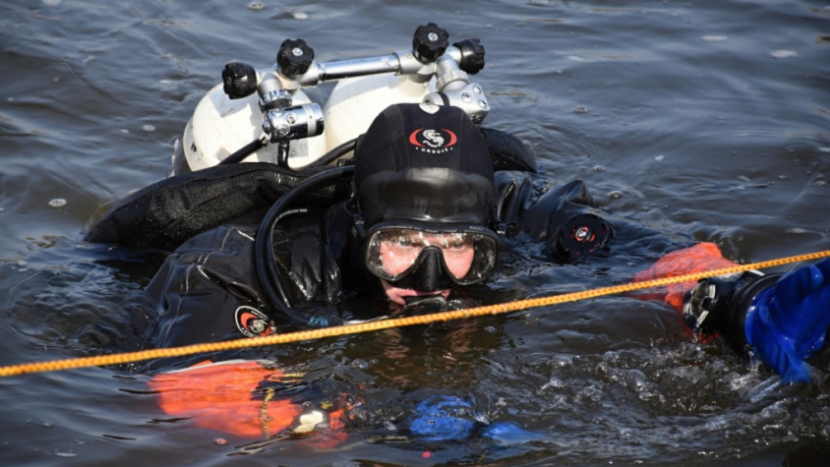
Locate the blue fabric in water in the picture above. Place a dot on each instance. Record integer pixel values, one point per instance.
(441, 419)
(787, 323)
(450, 418)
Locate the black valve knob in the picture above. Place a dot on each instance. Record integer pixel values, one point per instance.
(429, 43)
(239, 80)
(294, 57)
(472, 55)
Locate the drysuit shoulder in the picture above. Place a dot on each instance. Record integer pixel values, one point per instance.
(167, 213)
(508, 151)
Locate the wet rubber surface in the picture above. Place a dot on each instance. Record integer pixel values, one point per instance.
(709, 119)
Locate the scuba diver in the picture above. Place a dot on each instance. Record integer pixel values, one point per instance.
(432, 200)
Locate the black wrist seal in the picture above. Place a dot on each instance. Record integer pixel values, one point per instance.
(718, 305)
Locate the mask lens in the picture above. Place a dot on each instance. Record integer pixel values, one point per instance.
(392, 253)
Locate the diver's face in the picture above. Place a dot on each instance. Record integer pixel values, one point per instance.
(399, 252)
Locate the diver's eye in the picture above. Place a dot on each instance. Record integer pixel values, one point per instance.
(408, 242)
(405, 243)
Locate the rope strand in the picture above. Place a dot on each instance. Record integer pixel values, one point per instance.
(313, 334)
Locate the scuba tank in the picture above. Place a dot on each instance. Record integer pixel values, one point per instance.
(264, 115)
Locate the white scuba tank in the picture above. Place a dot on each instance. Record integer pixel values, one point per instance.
(220, 126)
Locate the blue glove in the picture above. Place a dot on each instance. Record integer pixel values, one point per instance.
(441, 418)
(787, 323)
(449, 418)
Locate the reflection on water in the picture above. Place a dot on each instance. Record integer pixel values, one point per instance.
(707, 119)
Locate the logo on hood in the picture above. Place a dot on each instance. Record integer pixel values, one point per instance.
(433, 141)
(253, 323)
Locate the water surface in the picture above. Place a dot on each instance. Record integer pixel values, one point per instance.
(702, 118)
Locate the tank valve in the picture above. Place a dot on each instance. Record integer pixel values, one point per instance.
(239, 80)
(472, 55)
(294, 57)
(429, 43)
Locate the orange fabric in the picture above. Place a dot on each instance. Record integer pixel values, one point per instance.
(699, 258)
(219, 397)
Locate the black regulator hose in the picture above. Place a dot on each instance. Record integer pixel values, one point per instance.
(257, 144)
(264, 259)
(242, 153)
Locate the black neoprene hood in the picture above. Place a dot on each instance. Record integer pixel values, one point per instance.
(413, 165)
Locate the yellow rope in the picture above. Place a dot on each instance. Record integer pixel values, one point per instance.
(278, 339)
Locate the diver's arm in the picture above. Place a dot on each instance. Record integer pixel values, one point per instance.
(567, 220)
(564, 216)
(781, 319)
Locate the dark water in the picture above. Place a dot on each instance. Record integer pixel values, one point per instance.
(709, 118)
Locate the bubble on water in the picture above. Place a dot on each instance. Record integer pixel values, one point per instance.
(776, 411)
(148, 128)
(553, 383)
(615, 194)
(625, 432)
(256, 6)
(490, 330)
(598, 168)
(591, 393)
(659, 158)
(166, 83)
(783, 53)
(220, 441)
(125, 131)
(300, 15)
(55, 80)
(22, 263)
(714, 38)
(783, 177)
(57, 203)
(359, 364)
(636, 380)
(561, 361)
(740, 383)
(580, 110)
